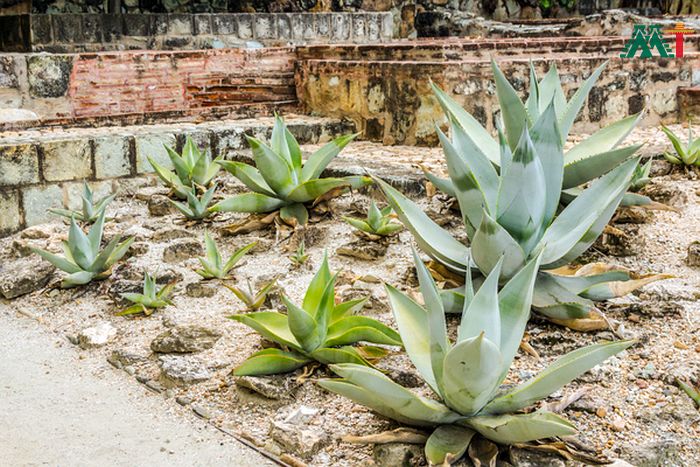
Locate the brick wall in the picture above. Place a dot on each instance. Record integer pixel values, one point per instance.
(117, 83)
(387, 93)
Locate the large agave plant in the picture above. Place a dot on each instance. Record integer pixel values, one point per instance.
(280, 181)
(466, 375)
(512, 212)
(193, 169)
(585, 161)
(320, 330)
(83, 260)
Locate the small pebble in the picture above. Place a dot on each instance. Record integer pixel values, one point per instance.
(183, 400)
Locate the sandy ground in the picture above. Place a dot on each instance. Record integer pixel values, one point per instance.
(57, 411)
(633, 411)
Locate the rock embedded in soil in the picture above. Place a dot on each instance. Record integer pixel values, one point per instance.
(185, 339)
(120, 287)
(271, 387)
(24, 276)
(395, 454)
(297, 435)
(183, 370)
(171, 233)
(182, 250)
(654, 454)
(96, 336)
(366, 250)
(159, 205)
(693, 258)
(201, 289)
(527, 458)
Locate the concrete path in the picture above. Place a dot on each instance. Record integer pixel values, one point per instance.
(56, 411)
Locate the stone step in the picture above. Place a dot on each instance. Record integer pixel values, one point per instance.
(689, 102)
(41, 169)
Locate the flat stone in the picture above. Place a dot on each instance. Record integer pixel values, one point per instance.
(304, 441)
(112, 157)
(24, 276)
(393, 454)
(128, 357)
(182, 371)
(201, 289)
(693, 258)
(655, 453)
(167, 234)
(159, 205)
(202, 411)
(267, 386)
(526, 458)
(185, 339)
(96, 336)
(182, 250)
(19, 164)
(366, 250)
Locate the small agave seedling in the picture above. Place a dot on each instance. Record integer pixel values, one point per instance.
(379, 222)
(197, 208)
(686, 154)
(83, 260)
(213, 266)
(641, 176)
(299, 257)
(150, 300)
(467, 375)
(252, 300)
(91, 209)
(319, 331)
(279, 180)
(193, 169)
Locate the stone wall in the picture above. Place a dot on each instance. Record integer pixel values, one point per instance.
(41, 170)
(68, 33)
(385, 89)
(118, 83)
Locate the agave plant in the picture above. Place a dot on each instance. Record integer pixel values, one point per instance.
(466, 375)
(213, 266)
(91, 209)
(513, 213)
(299, 257)
(83, 260)
(378, 222)
(318, 330)
(280, 181)
(252, 300)
(641, 176)
(150, 300)
(193, 168)
(585, 161)
(686, 154)
(197, 208)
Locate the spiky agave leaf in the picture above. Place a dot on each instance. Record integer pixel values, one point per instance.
(151, 299)
(280, 181)
(192, 168)
(90, 210)
(318, 330)
(378, 222)
(685, 154)
(213, 265)
(466, 374)
(197, 208)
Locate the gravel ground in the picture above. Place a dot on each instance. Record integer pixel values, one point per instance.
(633, 410)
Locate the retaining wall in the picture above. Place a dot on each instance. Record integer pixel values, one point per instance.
(40, 170)
(385, 89)
(85, 32)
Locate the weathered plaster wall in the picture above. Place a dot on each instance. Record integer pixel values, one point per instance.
(385, 89)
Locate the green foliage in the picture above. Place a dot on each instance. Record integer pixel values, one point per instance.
(279, 180)
(510, 194)
(378, 222)
(641, 177)
(686, 154)
(197, 208)
(91, 209)
(83, 260)
(466, 375)
(193, 169)
(692, 391)
(252, 300)
(318, 330)
(299, 257)
(213, 265)
(150, 300)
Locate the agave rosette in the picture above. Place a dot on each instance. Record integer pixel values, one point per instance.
(515, 211)
(467, 375)
(379, 222)
(318, 330)
(193, 169)
(584, 162)
(151, 299)
(83, 260)
(91, 209)
(280, 181)
(686, 154)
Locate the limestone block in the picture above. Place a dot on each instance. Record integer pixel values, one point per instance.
(112, 157)
(37, 200)
(67, 160)
(10, 218)
(153, 146)
(18, 165)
